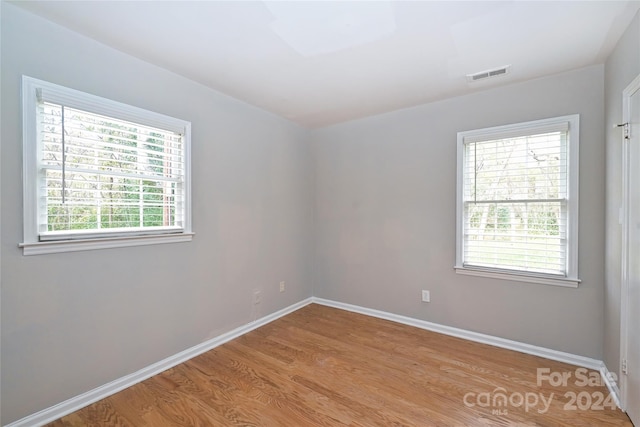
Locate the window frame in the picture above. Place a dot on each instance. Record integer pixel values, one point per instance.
(522, 129)
(32, 245)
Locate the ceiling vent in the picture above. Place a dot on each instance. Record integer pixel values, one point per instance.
(488, 74)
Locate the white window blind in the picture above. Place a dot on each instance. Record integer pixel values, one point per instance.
(106, 174)
(517, 209)
(96, 168)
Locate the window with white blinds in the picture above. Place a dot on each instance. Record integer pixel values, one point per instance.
(517, 201)
(97, 169)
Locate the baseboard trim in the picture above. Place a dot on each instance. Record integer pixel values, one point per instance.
(521, 347)
(612, 385)
(78, 402)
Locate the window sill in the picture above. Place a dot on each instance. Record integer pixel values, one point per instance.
(51, 247)
(528, 278)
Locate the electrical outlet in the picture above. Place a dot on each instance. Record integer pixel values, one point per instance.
(426, 296)
(282, 286)
(257, 297)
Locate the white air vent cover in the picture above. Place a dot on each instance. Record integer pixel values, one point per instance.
(489, 73)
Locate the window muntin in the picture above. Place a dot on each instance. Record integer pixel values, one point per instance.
(95, 168)
(517, 204)
(106, 174)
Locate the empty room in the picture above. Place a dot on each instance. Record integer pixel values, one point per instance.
(320, 213)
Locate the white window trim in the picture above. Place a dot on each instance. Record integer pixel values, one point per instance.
(571, 280)
(95, 104)
(41, 248)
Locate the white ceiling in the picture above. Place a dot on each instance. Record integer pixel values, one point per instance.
(319, 63)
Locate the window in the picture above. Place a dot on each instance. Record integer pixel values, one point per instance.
(98, 173)
(517, 202)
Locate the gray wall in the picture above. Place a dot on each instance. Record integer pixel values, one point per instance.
(622, 66)
(74, 321)
(385, 216)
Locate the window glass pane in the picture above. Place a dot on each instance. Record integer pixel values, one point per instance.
(521, 236)
(106, 174)
(530, 167)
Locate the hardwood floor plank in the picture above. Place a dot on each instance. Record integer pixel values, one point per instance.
(321, 366)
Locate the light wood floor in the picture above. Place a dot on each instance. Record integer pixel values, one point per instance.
(321, 366)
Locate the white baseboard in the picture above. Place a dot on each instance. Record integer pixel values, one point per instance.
(78, 402)
(611, 383)
(547, 353)
(54, 412)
